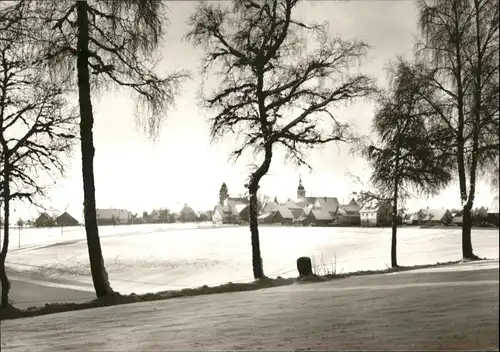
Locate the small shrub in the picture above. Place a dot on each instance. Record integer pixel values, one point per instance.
(327, 270)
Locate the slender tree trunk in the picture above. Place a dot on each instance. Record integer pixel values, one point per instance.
(4, 303)
(467, 251)
(467, 208)
(258, 270)
(394, 238)
(462, 177)
(253, 187)
(467, 221)
(99, 274)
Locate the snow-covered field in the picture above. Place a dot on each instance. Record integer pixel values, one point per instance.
(148, 258)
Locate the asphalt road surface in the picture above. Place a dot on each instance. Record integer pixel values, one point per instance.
(421, 310)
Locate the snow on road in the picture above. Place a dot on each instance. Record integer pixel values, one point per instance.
(410, 311)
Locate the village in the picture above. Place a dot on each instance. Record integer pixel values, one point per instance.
(303, 211)
(327, 211)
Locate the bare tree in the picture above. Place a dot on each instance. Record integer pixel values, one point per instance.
(460, 46)
(113, 44)
(36, 127)
(407, 156)
(273, 90)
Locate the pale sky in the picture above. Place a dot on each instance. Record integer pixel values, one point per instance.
(134, 173)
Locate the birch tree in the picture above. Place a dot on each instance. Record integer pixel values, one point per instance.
(111, 44)
(460, 48)
(407, 156)
(37, 127)
(280, 81)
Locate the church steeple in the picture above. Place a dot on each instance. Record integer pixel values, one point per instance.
(301, 191)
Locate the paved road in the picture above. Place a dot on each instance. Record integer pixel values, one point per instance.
(25, 294)
(426, 310)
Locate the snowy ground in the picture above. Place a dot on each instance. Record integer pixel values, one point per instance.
(148, 258)
(417, 310)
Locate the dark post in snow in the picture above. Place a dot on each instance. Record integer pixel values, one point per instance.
(304, 266)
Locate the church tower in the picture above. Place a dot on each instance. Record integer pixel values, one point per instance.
(301, 191)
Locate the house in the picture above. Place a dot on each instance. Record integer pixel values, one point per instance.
(112, 216)
(266, 218)
(154, 216)
(296, 210)
(457, 220)
(306, 201)
(206, 215)
(348, 214)
(407, 219)
(493, 212)
(209, 214)
(221, 215)
(66, 220)
(187, 214)
(433, 217)
(282, 215)
(318, 217)
(44, 220)
(376, 213)
(269, 207)
(413, 220)
(231, 211)
(330, 204)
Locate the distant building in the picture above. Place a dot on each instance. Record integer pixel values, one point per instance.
(315, 210)
(348, 214)
(208, 215)
(311, 211)
(112, 216)
(433, 217)
(66, 220)
(376, 213)
(232, 211)
(318, 217)
(493, 212)
(269, 207)
(494, 207)
(457, 220)
(187, 214)
(44, 220)
(154, 216)
(288, 213)
(413, 219)
(301, 190)
(282, 215)
(296, 210)
(330, 204)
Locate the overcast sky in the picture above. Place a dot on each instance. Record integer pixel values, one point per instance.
(134, 173)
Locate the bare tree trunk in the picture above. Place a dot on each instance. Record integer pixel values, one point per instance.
(253, 187)
(99, 274)
(462, 178)
(467, 222)
(258, 270)
(467, 252)
(467, 217)
(394, 238)
(4, 303)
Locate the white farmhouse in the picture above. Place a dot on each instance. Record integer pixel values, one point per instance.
(113, 216)
(376, 213)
